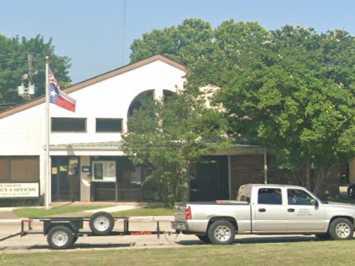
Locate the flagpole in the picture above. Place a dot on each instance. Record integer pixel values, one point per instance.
(47, 138)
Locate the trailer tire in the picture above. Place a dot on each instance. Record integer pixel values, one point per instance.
(101, 223)
(60, 237)
(221, 232)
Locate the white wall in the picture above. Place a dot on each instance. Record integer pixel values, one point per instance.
(23, 133)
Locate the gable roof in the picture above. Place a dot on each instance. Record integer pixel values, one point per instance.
(107, 75)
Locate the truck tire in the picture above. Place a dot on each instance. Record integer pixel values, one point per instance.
(60, 237)
(341, 229)
(204, 239)
(221, 232)
(101, 223)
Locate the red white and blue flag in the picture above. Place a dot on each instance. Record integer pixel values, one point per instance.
(57, 96)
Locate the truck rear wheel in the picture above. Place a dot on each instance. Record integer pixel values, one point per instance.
(341, 229)
(221, 232)
(60, 237)
(101, 223)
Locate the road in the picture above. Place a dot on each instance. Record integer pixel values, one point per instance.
(38, 243)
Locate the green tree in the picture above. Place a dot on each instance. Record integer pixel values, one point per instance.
(291, 90)
(168, 136)
(299, 100)
(13, 65)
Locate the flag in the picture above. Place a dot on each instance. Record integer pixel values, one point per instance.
(57, 96)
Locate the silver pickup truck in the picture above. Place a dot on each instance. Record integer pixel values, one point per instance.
(265, 209)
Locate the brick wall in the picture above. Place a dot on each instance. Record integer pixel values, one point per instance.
(246, 169)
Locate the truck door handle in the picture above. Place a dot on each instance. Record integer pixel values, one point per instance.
(291, 210)
(262, 210)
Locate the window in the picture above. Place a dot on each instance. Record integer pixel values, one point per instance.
(299, 197)
(61, 124)
(269, 196)
(104, 171)
(108, 125)
(19, 169)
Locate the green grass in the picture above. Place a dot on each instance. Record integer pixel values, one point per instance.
(55, 211)
(148, 211)
(301, 253)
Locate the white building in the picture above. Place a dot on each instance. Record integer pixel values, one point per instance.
(86, 159)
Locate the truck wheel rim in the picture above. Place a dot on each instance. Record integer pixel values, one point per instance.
(343, 230)
(60, 238)
(101, 223)
(222, 233)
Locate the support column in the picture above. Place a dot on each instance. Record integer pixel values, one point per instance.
(265, 167)
(85, 179)
(158, 94)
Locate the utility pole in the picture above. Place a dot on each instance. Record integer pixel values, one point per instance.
(123, 32)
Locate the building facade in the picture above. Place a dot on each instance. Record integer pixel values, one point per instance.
(87, 163)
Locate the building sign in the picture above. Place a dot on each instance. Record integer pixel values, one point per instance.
(19, 190)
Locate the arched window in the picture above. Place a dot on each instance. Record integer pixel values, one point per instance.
(138, 101)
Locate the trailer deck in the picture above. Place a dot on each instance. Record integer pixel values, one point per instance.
(63, 232)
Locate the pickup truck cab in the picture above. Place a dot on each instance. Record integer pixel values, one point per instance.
(265, 209)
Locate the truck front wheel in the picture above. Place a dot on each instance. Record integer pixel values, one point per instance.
(341, 229)
(221, 232)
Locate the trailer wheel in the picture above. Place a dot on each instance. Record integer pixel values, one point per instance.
(101, 223)
(60, 237)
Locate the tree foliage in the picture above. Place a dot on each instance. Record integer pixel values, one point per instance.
(168, 136)
(13, 65)
(291, 89)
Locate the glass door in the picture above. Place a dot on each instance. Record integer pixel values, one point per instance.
(65, 179)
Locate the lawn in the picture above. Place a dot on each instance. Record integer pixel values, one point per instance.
(300, 253)
(67, 209)
(147, 211)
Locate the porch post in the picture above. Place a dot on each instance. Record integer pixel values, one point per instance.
(265, 167)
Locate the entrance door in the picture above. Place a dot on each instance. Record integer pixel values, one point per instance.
(209, 181)
(65, 179)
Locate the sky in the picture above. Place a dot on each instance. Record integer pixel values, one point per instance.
(95, 35)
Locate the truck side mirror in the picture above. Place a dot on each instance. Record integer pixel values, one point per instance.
(316, 204)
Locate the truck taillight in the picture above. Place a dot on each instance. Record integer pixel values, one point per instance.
(188, 213)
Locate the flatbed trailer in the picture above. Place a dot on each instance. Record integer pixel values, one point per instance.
(63, 232)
